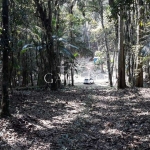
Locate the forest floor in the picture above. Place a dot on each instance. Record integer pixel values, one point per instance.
(78, 118)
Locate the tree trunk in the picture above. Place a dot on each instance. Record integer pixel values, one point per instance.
(4, 112)
(106, 45)
(72, 76)
(129, 67)
(65, 75)
(46, 19)
(139, 76)
(31, 79)
(102, 68)
(58, 62)
(121, 58)
(24, 76)
(71, 37)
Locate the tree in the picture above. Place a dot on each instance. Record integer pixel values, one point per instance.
(106, 43)
(118, 13)
(45, 14)
(139, 75)
(5, 49)
(121, 55)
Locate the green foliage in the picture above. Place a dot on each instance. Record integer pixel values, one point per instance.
(116, 5)
(76, 55)
(26, 48)
(98, 54)
(67, 53)
(1, 30)
(100, 57)
(36, 33)
(54, 22)
(16, 63)
(20, 43)
(145, 59)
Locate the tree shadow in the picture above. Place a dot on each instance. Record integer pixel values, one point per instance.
(86, 119)
(4, 145)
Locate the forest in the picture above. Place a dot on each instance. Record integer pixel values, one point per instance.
(42, 47)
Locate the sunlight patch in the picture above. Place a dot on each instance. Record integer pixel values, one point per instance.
(143, 113)
(112, 131)
(146, 138)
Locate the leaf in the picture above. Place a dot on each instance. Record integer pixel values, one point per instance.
(76, 54)
(27, 46)
(24, 50)
(141, 24)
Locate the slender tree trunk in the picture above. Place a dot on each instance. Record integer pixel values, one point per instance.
(129, 67)
(106, 45)
(148, 72)
(65, 74)
(102, 68)
(25, 70)
(31, 79)
(139, 76)
(72, 76)
(58, 55)
(121, 58)
(71, 37)
(4, 112)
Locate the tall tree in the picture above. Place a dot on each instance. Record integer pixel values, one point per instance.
(71, 5)
(5, 49)
(106, 42)
(45, 15)
(139, 76)
(121, 55)
(118, 13)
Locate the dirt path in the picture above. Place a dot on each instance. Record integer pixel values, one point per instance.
(78, 119)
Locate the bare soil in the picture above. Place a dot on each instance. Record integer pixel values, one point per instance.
(78, 118)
